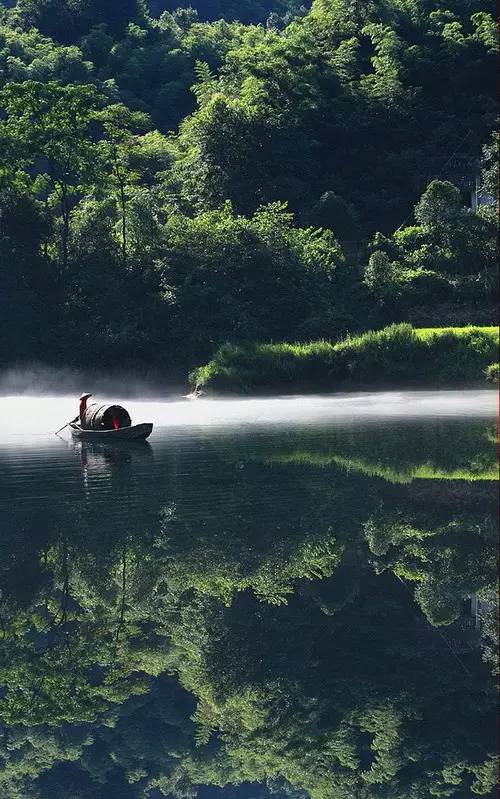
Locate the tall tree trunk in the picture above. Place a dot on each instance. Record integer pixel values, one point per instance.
(121, 619)
(65, 230)
(123, 206)
(45, 240)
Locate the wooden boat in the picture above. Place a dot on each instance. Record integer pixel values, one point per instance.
(136, 432)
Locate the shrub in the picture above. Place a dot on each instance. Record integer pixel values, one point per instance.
(394, 353)
(382, 276)
(492, 372)
(425, 285)
(390, 281)
(465, 356)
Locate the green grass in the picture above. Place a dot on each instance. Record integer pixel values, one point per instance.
(426, 333)
(396, 356)
(424, 471)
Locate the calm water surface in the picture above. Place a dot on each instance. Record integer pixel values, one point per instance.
(288, 598)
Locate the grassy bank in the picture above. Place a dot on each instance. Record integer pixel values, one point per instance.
(396, 356)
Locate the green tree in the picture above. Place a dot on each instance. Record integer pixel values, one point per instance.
(26, 283)
(334, 213)
(449, 255)
(67, 20)
(119, 126)
(247, 278)
(51, 127)
(439, 205)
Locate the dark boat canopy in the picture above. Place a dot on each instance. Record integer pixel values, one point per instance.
(105, 417)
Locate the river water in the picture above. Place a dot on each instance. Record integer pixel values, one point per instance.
(287, 598)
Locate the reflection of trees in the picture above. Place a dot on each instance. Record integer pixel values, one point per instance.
(26, 752)
(143, 735)
(74, 650)
(279, 531)
(280, 596)
(448, 563)
(360, 703)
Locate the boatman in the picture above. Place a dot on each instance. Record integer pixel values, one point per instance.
(83, 408)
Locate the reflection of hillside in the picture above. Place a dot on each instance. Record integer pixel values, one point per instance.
(248, 613)
(424, 471)
(398, 453)
(344, 673)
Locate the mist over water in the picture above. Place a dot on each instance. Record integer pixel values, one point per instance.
(47, 381)
(24, 417)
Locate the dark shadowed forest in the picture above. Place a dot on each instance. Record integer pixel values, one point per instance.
(175, 178)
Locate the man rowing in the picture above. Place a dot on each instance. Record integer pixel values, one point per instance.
(83, 408)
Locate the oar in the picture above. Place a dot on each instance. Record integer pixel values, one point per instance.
(66, 425)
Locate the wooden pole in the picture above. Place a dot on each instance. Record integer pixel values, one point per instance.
(66, 425)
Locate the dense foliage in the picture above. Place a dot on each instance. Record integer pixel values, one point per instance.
(173, 178)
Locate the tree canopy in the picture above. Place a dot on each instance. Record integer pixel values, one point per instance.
(157, 155)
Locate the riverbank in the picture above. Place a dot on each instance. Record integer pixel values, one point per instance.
(397, 356)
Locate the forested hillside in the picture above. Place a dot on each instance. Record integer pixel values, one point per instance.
(175, 178)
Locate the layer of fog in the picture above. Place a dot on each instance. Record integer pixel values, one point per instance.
(25, 417)
(47, 381)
